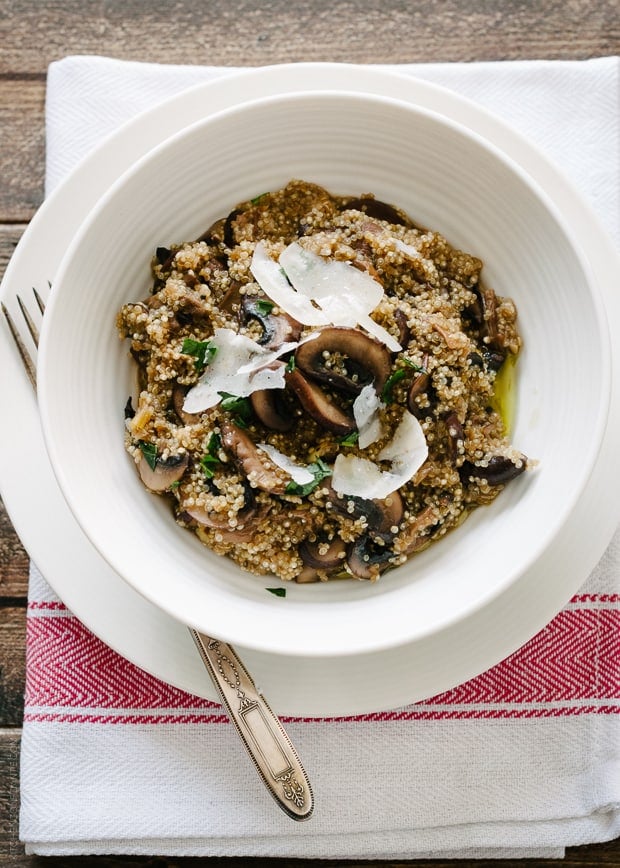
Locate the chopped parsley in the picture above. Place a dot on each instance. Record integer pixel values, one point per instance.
(149, 450)
(257, 199)
(210, 460)
(241, 408)
(290, 365)
(398, 375)
(319, 471)
(277, 592)
(202, 351)
(264, 307)
(351, 439)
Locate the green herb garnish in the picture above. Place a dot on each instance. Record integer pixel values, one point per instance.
(290, 365)
(241, 408)
(277, 592)
(264, 307)
(257, 199)
(398, 375)
(319, 471)
(351, 439)
(149, 450)
(202, 351)
(210, 459)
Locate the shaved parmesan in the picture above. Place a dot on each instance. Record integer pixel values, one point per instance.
(239, 367)
(319, 291)
(272, 280)
(406, 452)
(300, 475)
(366, 414)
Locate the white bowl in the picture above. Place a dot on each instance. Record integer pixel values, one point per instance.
(446, 178)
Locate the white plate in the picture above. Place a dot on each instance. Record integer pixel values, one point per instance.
(154, 641)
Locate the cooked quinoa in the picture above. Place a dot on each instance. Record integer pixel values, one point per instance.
(266, 477)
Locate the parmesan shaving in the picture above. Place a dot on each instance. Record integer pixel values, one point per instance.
(318, 291)
(300, 475)
(272, 280)
(366, 414)
(406, 452)
(239, 367)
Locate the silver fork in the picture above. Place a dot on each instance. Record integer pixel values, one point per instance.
(260, 730)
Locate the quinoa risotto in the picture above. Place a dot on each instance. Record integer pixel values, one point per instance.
(322, 385)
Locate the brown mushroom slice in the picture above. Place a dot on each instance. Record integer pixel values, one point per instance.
(381, 515)
(367, 359)
(414, 537)
(307, 576)
(498, 469)
(269, 408)
(179, 392)
(369, 555)
(277, 329)
(321, 554)
(378, 210)
(164, 473)
(419, 385)
(317, 405)
(404, 332)
(254, 463)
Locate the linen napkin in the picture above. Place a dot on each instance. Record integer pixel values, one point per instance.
(523, 760)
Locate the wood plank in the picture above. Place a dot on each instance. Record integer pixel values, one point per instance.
(12, 665)
(9, 236)
(238, 32)
(13, 561)
(9, 794)
(22, 155)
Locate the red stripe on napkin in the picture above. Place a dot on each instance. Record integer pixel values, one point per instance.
(571, 667)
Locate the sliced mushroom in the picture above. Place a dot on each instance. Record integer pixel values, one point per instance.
(179, 392)
(367, 359)
(270, 408)
(404, 332)
(215, 233)
(277, 330)
(165, 473)
(381, 515)
(419, 385)
(414, 537)
(229, 231)
(498, 469)
(307, 576)
(378, 210)
(316, 403)
(232, 298)
(255, 464)
(322, 554)
(369, 555)
(220, 520)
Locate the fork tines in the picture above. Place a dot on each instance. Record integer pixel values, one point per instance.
(33, 330)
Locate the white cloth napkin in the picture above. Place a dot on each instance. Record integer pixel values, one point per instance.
(521, 761)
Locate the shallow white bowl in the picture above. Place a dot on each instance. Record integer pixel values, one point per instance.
(446, 178)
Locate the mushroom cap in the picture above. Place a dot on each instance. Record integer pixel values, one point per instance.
(164, 473)
(369, 359)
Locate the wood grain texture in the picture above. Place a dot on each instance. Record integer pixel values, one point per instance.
(245, 32)
(22, 151)
(13, 562)
(12, 665)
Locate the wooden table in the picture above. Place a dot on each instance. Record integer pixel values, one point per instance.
(236, 33)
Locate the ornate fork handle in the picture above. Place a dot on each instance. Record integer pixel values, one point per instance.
(260, 730)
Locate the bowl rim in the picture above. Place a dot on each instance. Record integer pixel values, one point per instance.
(598, 306)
